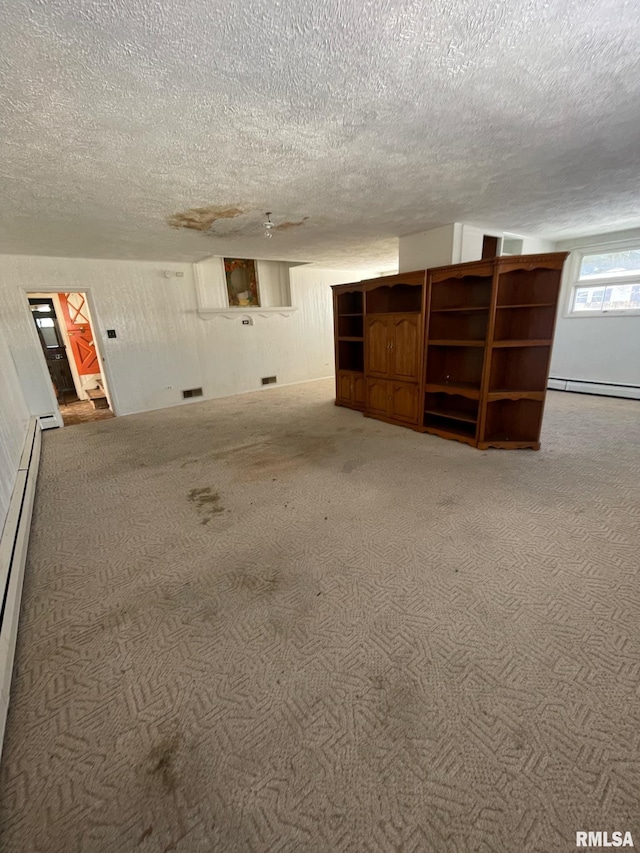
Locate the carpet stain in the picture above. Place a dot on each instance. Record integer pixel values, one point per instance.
(162, 762)
(448, 501)
(144, 835)
(250, 580)
(278, 455)
(207, 503)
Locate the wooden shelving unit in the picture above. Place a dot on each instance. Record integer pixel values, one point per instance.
(348, 314)
(461, 351)
(488, 335)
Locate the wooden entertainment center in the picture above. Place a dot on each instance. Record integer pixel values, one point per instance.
(460, 351)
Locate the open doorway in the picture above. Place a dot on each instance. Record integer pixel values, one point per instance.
(65, 332)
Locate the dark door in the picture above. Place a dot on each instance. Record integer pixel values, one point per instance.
(55, 353)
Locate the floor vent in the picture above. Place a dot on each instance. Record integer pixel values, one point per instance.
(192, 392)
(269, 380)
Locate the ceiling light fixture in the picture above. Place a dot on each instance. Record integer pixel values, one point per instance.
(268, 226)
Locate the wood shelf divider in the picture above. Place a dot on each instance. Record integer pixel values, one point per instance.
(469, 390)
(477, 310)
(453, 415)
(523, 343)
(460, 351)
(529, 305)
(456, 343)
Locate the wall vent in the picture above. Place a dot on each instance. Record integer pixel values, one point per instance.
(47, 421)
(192, 392)
(269, 380)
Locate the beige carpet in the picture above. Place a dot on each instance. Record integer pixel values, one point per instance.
(269, 624)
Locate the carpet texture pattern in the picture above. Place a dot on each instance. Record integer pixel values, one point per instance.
(265, 623)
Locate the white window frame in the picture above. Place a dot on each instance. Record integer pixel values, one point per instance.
(573, 272)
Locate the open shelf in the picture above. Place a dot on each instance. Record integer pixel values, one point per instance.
(451, 406)
(452, 426)
(458, 325)
(529, 305)
(472, 291)
(514, 394)
(400, 299)
(453, 343)
(460, 310)
(518, 369)
(350, 338)
(524, 342)
(350, 325)
(454, 366)
(351, 356)
(470, 390)
(520, 323)
(513, 420)
(350, 303)
(519, 287)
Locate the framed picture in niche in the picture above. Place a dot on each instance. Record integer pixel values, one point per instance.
(242, 282)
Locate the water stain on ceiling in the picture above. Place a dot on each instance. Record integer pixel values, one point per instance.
(205, 218)
(202, 218)
(284, 226)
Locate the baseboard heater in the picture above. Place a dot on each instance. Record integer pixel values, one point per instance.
(606, 389)
(13, 556)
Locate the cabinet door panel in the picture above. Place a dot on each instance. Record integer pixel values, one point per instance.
(358, 390)
(405, 338)
(377, 396)
(345, 393)
(404, 401)
(377, 345)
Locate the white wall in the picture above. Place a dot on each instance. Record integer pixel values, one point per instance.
(14, 419)
(162, 344)
(455, 244)
(538, 245)
(293, 348)
(434, 248)
(596, 349)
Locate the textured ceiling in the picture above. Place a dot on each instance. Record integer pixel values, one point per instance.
(373, 118)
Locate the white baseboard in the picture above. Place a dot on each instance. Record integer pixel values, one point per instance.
(13, 556)
(605, 389)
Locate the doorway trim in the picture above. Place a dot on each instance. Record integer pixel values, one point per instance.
(105, 367)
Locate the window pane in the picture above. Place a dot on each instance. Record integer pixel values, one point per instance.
(622, 297)
(48, 331)
(588, 299)
(610, 264)
(616, 297)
